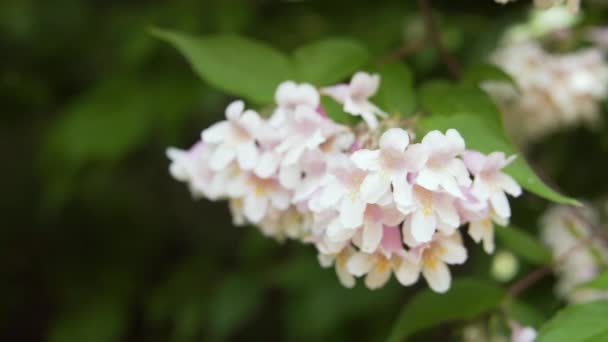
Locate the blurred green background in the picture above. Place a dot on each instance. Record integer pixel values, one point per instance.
(99, 243)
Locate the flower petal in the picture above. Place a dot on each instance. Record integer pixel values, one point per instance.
(423, 226)
(366, 159)
(234, 110)
(395, 138)
(247, 155)
(438, 277)
(374, 186)
(255, 207)
(267, 165)
(453, 252)
(331, 194)
(289, 176)
(364, 85)
(217, 133)
(508, 184)
(378, 277)
(445, 209)
(407, 273)
(221, 157)
(359, 264)
(500, 203)
(351, 212)
(372, 235)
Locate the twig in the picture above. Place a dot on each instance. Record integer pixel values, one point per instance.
(435, 36)
(540, 272)
(402, 52)
(595, 227)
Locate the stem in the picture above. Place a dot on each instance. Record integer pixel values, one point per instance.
(433, 33)
(540, 272)
(402, 52)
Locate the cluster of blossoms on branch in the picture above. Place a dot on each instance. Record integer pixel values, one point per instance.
(372, 201)
(565, 230)
(555, 91)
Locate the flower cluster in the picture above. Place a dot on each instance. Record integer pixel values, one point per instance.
(555, 91)
(564, 229)
(371, 207)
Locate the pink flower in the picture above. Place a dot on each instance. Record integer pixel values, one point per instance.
(490, 183)
(235, 138)
(443, 170)
(355, 97)
(431, 259)
(389, 165)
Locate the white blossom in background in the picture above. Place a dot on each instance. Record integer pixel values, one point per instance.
(563, 228)
(573, 5)
(370, 212)
(555, 91)
(355, 97)
(554, 22)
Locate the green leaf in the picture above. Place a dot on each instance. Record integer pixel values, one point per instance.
(582, 322)
(396, 93)
(102, 320)
(466, 299)
(335, 112)
(524, 245)
(477, 73)
(525, 314)
(234, 64)
(469, 110)
(329, 60)
(600, 282)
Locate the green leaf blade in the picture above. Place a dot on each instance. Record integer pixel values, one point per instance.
(234, 64)
(396, 92)
(329, 60)
(582, 322)
(524, 245)
(600, 282)
(427, 308)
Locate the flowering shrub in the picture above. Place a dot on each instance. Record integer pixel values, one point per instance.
(424, 170)
(386, 179)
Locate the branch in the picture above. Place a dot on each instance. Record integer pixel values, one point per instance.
(402, 52)
(435, 37)
(540, 272)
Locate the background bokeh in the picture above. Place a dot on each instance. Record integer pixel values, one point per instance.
(98, 243)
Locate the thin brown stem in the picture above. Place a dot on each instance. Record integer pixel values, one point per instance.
(540, 272)
(402, 52)
(435, 37)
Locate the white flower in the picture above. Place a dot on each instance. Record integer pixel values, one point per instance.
(573, 5)
(340, 260)
(431, 259)
(235, 138)
(443, 170)
(522, 334)
(342, 191)
(286, 223)
(355, 97)
(290, 95)
(305, 130)
(490, 183)
(556, 90)
(378, 266)
(192, 167)
(428, 212)
(562, 228)
(389, 165)
(258, 195)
